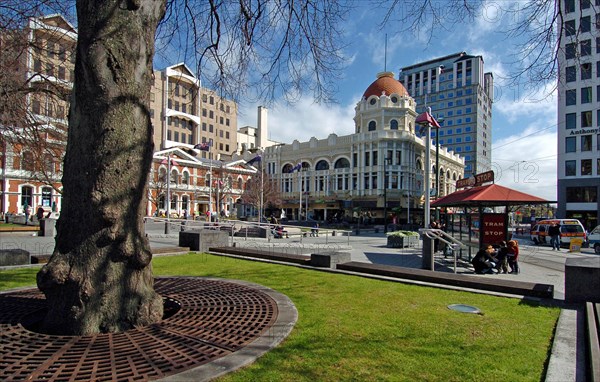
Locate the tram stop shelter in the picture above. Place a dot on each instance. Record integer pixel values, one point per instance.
(471, 213)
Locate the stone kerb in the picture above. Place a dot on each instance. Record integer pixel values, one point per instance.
(329, 259)
(582, 280)
(201, 240)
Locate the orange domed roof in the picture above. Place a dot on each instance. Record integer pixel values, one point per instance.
(385, 82)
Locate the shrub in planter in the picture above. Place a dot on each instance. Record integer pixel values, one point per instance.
(401, 239)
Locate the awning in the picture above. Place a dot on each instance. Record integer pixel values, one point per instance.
(489, 196)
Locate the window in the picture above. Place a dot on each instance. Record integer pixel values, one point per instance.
(571, 73)
(571, 97)
(569, 28)
(586, 167)
(569, 6)
(27, 162)
(584, 4)
(372, 125)
(570, 51)
(570, 144)
(570, 168)
(586, 71)
(585, 47)
(394, 124)
(586, 24)
(367, 159)
(586, 143)
(27, 196)
(586, 95)
(582, 195)
(586, 119)
(570, 121)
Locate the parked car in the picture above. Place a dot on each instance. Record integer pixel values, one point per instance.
(594, 239)
(569, 229)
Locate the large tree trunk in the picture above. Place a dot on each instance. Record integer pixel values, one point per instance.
(99, 278)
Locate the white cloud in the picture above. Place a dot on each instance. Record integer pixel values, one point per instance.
(516, 107)
(303, 120)
(527, 162)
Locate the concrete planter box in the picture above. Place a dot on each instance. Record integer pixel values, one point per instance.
(402, 241)
(200, 241)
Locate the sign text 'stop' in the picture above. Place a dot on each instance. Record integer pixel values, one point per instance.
(476, 180)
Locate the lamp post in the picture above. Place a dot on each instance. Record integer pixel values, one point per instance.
(437, 164)
(385, 187)
(426, 120)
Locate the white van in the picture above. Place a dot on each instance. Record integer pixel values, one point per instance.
(594, 239)
(569, 229)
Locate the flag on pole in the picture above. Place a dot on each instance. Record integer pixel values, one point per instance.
(204, 146)
(173, 163)
(297, 167)
(254, 160)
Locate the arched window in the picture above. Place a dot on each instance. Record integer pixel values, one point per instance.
(207, 179)
(162, 175)
(27, 196)
(322, 165)
(185, 200)
(161, 201)
(174, 177)
(240, 183)
(286, 169)
(342, 163)
(27, 161)
(372, 125)
(173, 202)
(46, 196)
(229, 182)
(186, 179)
(393, 124)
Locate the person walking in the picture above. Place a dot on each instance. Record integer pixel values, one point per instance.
(554, 232)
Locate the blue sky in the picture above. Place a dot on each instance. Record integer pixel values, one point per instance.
(523, 126)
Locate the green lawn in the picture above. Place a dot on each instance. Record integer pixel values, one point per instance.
(358, 329)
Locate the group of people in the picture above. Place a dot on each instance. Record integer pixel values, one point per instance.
(497, 260)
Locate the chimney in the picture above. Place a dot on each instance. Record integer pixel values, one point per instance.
(262, 127)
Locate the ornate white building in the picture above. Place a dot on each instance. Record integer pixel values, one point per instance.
(345, 176)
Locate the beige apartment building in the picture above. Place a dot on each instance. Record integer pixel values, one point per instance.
(185, 113)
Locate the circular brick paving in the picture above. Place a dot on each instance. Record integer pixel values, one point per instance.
(215, 318)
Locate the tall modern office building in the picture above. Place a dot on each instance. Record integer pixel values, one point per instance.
(579, 113)
(460, 95)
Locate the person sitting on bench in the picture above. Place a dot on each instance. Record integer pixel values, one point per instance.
(314, 231)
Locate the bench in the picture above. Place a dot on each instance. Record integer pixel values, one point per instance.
(592, 326)
(275, 256)
(465, 281)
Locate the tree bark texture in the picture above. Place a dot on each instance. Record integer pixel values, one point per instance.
(99, 278)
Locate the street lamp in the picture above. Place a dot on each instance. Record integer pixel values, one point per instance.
(426, 121)
(385, 187)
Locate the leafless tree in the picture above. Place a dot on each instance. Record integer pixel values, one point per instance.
(533, 27)
(262, 188)
(99, 278)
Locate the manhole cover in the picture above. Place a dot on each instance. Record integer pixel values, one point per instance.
(215, 318)
(464, 308)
